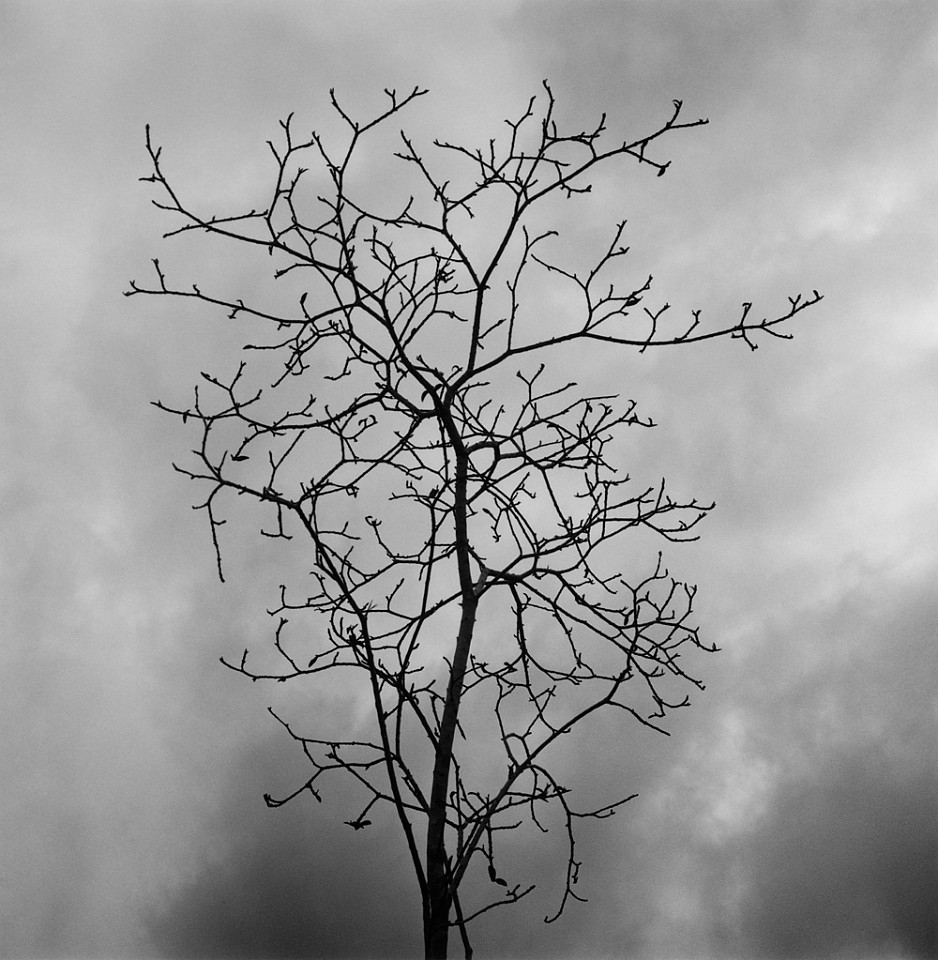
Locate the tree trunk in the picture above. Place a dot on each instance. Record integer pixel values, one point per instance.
(436, 933)
(439, 893)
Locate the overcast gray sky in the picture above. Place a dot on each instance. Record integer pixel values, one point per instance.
(793, 811)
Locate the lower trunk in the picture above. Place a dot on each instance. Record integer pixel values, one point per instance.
(436, 929)
(439, 889)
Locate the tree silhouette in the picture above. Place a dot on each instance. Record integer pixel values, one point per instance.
(411, 415)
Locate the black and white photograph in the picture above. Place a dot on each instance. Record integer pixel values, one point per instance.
(469, 479)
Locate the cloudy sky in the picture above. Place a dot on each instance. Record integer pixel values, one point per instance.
(793, 811)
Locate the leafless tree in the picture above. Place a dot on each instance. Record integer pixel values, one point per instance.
(411, 415)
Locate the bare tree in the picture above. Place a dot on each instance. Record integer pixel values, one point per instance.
(411, 416)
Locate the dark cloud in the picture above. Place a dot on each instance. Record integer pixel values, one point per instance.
(289, 882)
(800, 819)
(846, 863)
(845, 857)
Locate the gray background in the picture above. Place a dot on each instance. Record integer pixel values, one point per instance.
(793, 811)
